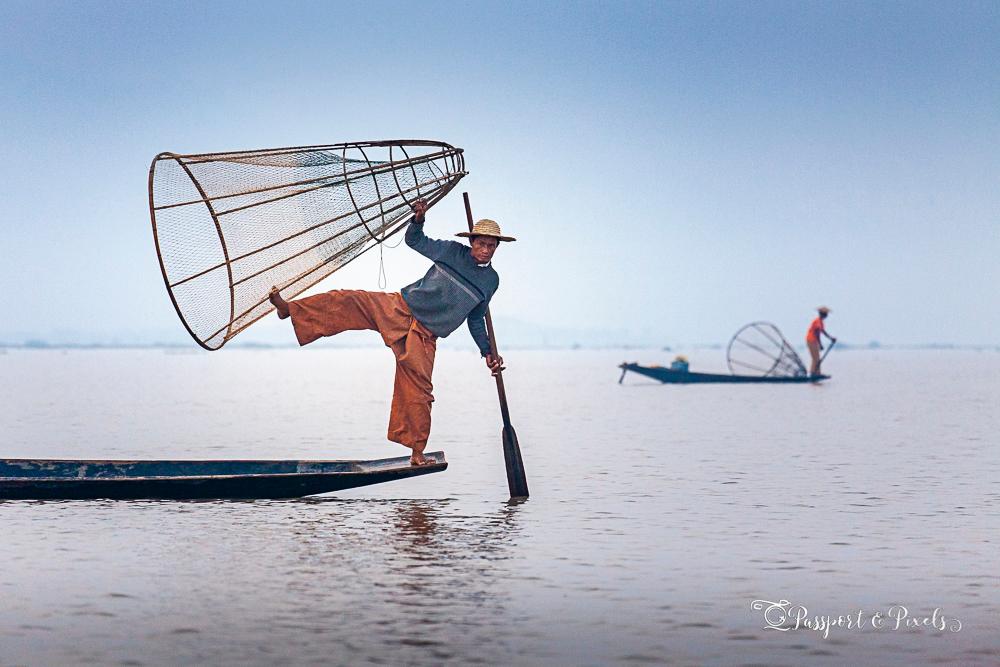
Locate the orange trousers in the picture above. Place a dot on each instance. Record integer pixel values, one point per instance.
(813, 346)
(385, 312)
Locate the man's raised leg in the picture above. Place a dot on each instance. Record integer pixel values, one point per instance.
(279, 303)
(331, 313)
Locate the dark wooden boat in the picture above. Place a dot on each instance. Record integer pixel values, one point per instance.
(670, 376)
(187, 480)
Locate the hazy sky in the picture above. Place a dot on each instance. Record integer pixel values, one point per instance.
(671, 170)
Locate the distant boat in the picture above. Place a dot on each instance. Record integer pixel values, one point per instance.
(757, 347)
(188, 480)
(671, 376)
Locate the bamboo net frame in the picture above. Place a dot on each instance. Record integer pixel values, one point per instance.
(229, 226)
(759, 349)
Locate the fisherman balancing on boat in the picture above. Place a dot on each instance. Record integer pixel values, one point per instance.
(813, 342)
(457, 288)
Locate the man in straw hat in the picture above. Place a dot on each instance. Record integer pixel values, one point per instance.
(816, 329)
(457, 288)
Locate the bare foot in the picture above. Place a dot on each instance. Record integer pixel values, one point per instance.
(279, 304)
(418, 459)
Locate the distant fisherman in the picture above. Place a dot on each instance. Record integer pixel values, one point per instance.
(816, 329)
(456, 289)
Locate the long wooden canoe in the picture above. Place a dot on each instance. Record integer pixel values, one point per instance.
(185, 480)
(670, 376)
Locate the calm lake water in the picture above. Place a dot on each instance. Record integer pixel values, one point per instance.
(658, 514)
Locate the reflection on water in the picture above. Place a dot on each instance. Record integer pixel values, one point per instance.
(658, 515)
(369, 580)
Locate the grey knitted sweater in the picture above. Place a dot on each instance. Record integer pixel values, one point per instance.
(454, 289)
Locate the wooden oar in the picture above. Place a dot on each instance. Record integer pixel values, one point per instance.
(828, 348)
(516, 481)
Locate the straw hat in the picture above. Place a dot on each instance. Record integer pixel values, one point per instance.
(824, 310)
(486, 227)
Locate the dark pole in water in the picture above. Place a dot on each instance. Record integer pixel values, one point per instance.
(516, 481)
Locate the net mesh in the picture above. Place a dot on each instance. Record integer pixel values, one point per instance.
(760, 349)
(229, 226)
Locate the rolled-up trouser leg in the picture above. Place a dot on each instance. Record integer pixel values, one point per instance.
(410, 416)
(331, 313)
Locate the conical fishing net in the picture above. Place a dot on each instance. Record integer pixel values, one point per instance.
(760, 349)
(229, 226)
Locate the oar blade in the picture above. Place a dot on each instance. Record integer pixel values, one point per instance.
(516, 481)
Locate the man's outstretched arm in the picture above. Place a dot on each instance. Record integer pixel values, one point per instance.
(416, 239)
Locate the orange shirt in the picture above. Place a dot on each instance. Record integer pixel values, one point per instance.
(814, 329)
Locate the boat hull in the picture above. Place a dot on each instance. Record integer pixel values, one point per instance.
(669, 376)
(38, 479)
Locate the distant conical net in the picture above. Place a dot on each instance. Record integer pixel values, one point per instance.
(760, 349)
(229, 226)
